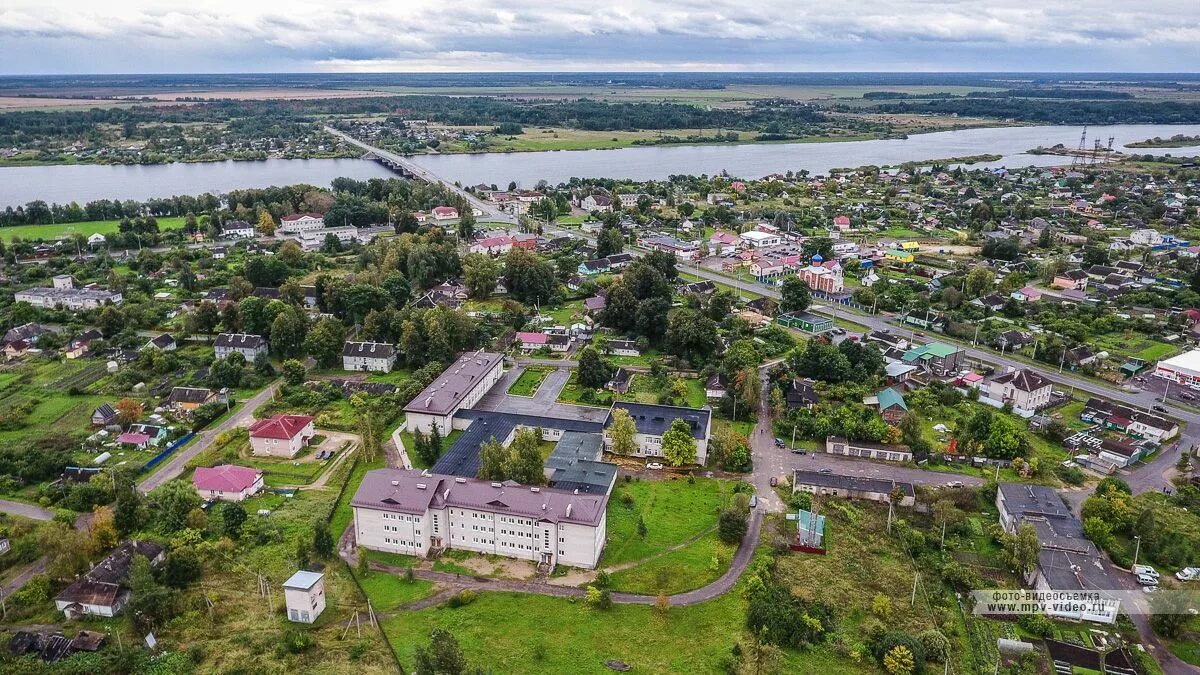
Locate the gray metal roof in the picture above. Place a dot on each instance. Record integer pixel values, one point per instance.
(452, 386)
(655, 420)
(859, 483)
(413, 492)
(462, 458)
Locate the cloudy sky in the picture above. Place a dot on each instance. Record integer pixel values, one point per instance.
(143, 36)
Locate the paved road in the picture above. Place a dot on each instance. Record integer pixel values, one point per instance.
(25, 510)
(175, 466)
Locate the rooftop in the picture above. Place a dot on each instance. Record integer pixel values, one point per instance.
(445, 393)
(303, 580)
(858, 483)
(655, 420)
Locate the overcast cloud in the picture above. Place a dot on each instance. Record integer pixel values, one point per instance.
(107, 36)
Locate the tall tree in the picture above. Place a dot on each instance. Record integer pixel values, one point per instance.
(325, 342)
(794, 296)
(480, 274)
(678, 444)
(622, 432)
(593, 370)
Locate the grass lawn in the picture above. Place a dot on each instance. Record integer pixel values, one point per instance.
(673, 510)
(643, 389)
(695, 565)
(396, 377)
(389, 592)
(342, 514)
(1135, 346)
(87, 228)
(530, 379)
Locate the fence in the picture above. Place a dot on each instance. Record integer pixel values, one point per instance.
(157, 459)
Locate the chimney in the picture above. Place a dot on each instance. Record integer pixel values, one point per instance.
(569, 509)
(421, 486)
(396, 483)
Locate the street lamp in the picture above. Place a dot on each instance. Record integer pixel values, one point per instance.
(1136, 549)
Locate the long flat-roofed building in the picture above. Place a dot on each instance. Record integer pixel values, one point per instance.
(414, 513)
(459, 386)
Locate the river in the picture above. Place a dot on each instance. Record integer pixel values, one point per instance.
(83, 183)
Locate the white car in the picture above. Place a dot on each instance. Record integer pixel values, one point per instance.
(654, 465)
(1147, 580)
(1147, 570)
(1188, 574)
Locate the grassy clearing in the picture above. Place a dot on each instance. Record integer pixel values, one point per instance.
(644, 389)
(86, 228)
(673, 510)
(389, 592)
(409, 443)
(342, 514)
(693, 566)
(529, 381)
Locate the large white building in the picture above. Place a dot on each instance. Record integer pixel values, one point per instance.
(300, 222)
(76, 299)
(415, 513)
(1183, 369)
(249, 346)
(761, 239)
(377, 357)
(458, 387)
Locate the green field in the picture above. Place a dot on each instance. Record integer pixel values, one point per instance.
(693, 566)
(644, 389)
(530, 379)
(87, 228)
(674, 512)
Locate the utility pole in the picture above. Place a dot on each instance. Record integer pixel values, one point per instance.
(1136, 549)
(913, 601)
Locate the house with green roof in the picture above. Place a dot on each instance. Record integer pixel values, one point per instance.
(937, 358)
(890, 404)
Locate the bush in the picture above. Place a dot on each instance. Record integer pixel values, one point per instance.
(732, 525)
(1036, 624)
(937, 647)
(892, 639)
(461, 599)
(296, 642)
(602, 579)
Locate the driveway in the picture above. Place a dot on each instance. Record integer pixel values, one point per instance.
(541, 403)
(175, 466)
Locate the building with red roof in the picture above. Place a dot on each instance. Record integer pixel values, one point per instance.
(281, 435)
(227, 482)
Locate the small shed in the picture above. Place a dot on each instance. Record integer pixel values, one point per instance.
(304, 596)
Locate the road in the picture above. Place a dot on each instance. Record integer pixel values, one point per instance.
(490, 213)
(25, 510)
(178, 462)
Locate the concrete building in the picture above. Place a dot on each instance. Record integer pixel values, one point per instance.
(377, 357)
(853, 487)
(460, 386)
(249, 346)
(652, 421)
(415, 513)
(77, 299)
(808, 322)
(757, 239)
(1182, 369)
(300, 222)
(1068, 561)
(836, 445)
(304, 596)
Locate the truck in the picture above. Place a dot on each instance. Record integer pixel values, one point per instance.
(1146, 570)
(1188, 574)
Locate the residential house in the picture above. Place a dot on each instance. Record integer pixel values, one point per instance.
(895, 255)
(77, 299)
(621, 348)
(1129, 420)
(1024, 388)
(1071, 279)
(249, 346)
(227, 482)
(836, 445)
(81, 345)
(304, 596)
(163, 343)
(716, 387)
(937, 358)
(236, 229)
(620, 381)
(801, 393)
(187, 399)
(378, 357)
(103, 590)
(281, 435)
(890, 404)
(444, 213)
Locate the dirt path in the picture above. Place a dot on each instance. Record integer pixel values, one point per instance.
(676, 547)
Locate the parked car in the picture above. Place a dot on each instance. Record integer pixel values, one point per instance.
(1147, 580)
(954, 484)
(779, 443)
(1149, 589)
(827, 471)
(1160, 408)
(1187, 396)
(753, 501)
(1145, 569)
(798, 451)
(654, 465)
(774, 481)
(1188, 574)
